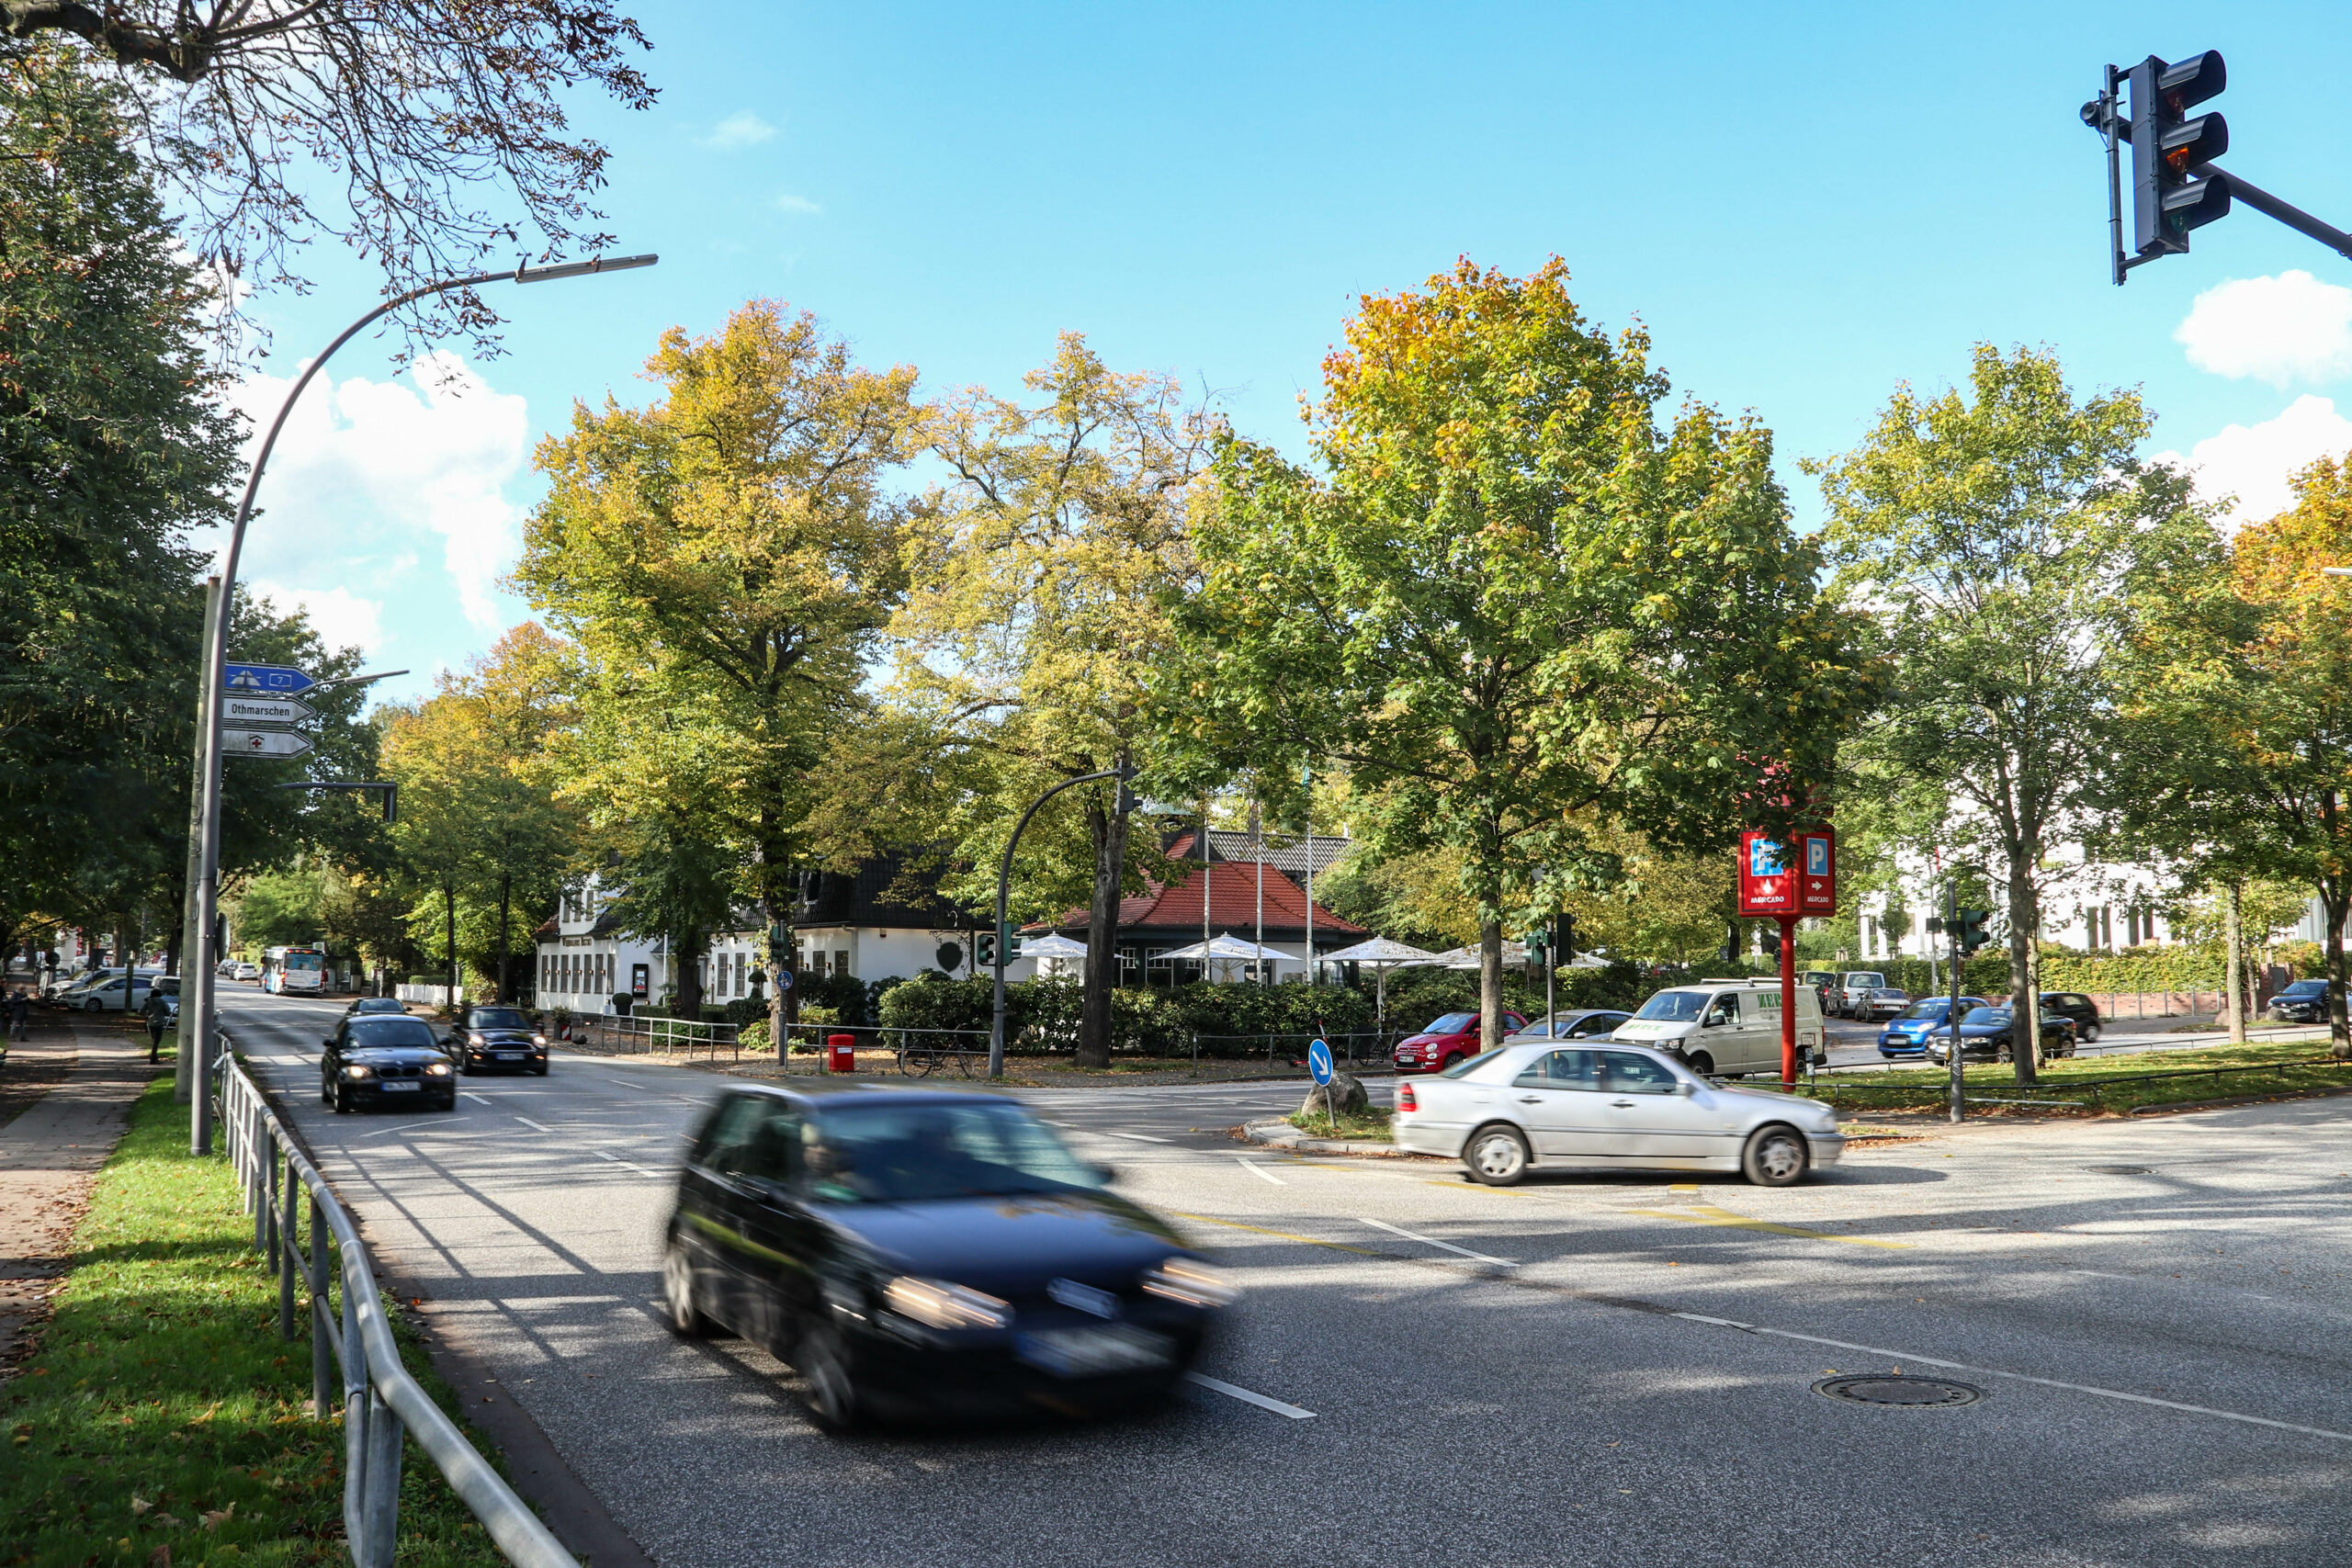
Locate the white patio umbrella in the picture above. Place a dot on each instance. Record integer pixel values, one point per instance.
(1384, 954)
(1056, 948)
(1227, 950)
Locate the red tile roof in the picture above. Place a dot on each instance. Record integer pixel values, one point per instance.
(1175, 909)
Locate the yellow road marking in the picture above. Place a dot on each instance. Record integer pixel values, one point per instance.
(1708, 1214)
(1310, 1241)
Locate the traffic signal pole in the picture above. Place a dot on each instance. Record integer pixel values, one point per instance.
(1951, 1020)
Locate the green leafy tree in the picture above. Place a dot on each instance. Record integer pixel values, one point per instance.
(1997, 544)
(1514, 606)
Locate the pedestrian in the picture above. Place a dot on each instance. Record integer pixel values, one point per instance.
(155, 1027)
(20, 1014)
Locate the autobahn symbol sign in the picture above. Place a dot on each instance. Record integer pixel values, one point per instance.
(263, 680)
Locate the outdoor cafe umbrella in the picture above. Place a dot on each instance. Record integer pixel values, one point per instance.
(1055, 947)
(1384, 954)
(1220, 950)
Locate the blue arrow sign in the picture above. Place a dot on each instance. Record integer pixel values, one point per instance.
(1319, 1061)
(264, 679)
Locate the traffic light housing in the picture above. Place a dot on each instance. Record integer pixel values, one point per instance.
(1012, 941)
(2169, 196)
(984, 950)
(1967, 927)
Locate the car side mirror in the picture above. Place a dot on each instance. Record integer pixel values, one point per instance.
(328, 1042)
(1108, 1173)
(1685, 1088)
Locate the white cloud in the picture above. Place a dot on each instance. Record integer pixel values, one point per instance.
(363, 467)
(341, 617)
(738, 130)
(2253, 463)
(799, 206)
(2287, 328)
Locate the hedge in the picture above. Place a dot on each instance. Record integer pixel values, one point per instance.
(1042, 1016)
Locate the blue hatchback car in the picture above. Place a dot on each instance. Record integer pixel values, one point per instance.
(1906, 1034)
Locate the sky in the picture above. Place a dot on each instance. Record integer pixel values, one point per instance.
(1805, 205)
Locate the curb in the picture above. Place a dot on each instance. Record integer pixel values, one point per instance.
(1276, 1133)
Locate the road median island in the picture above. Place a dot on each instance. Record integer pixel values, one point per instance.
(160, 1416)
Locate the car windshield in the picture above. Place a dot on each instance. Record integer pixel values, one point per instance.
(1452, 1023)
(1985, 1015)
(369, 1033)
(1935, 1006)
(499, 1018)
(1675, 1007)
(380, 1004)
(2305, 988)
(1469, 1065)
(910, 1151)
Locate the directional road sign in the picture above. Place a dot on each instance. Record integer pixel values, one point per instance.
(263, 743)
(239, 709)
(1319, 1061)
(264, 679)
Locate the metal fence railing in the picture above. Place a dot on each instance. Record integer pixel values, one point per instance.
(2065, 1091)
(641, 1036)
(380, 1401)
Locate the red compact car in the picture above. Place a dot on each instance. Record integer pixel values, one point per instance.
(1453, 1038)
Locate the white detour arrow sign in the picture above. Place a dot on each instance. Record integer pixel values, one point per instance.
(264, 710)
(263, 743)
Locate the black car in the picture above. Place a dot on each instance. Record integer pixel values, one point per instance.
(2305, 1001)
(372, 1060)
(2077, 1006)
(1986, 1034)
(914, 1252)
(388, 1005)
(489, 1036)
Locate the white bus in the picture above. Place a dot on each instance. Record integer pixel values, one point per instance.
(287, 969)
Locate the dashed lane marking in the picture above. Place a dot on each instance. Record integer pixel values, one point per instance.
(1286, 1235)
(623, 1164)
(1432, 1241)
(477, 1099)
(1248, 1397)
(1260, 1171)
(403, 1127)
(1708, 1214)
(1138, 1137)
(528, 1122)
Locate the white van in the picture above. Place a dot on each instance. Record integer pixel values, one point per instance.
(1727, 1029)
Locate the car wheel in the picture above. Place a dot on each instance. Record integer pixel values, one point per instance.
(828, 1381)
(541, 1070)
(2091, 1033)
(2001, 1053)
(341, 1100)
(678, 1301)
(1496, 1156)
(326, 1089)
(1703, 1065)
(1775, 1156)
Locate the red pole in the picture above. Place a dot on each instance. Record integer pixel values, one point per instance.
(1788, 1002)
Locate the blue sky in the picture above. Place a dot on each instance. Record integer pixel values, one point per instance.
(1805, 205)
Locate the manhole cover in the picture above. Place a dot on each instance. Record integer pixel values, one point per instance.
(1916, 1393)
(2120, 1169)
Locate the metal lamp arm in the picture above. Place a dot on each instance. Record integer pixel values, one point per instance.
(1003, 899)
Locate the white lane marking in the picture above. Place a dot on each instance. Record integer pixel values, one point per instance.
(1432, 1241)
(622, 1163)
(401, 1128)
(1138, 1137)
(1247, 1397)
(528, 1122)
(1899, 1357)
(477, 1098)
(1260, 1171)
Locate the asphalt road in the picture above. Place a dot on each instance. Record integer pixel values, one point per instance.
(1626, 1378)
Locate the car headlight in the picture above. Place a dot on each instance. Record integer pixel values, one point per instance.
(436, 1070)
(1190, 1282)
(938, 1304)
(360, 1071)
(538, 1039)
(475, 1039)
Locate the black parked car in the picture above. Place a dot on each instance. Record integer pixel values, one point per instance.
(915, 1252)
(372, 1060)
(2077, 1006)
(2305, 1001)
(489, 1036)
(393, 1005)
(1986, 1034)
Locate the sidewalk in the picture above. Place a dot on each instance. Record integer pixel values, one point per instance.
(49, 1154)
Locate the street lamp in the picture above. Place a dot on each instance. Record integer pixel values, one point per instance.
(1123, 773)
(199, 941)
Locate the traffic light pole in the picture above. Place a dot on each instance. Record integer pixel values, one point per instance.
(1004, 898)
(1951, 1018)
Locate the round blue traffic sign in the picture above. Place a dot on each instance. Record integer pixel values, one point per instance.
(1319, 1061)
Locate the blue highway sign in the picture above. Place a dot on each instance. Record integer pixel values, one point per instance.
(1319, 1061)
(263, 680)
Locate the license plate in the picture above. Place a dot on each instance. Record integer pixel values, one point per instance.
(1090, 1352)
(510, 1055)
(400, 1087)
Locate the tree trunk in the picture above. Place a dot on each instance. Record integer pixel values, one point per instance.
(505, 898)
(2025, 1002)
(2233, 961)
(1108, 829)
(449, 918)
(690, 949)
(1490, 984)
(779, 919)
(2335, 901)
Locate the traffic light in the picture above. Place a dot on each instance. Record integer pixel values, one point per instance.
(1730, 949)
(1011, 944)
(984, 950)
(2170, 193)
(1967, 927)
(1539, 946)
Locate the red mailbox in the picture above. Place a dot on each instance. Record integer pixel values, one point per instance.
(841, 1053)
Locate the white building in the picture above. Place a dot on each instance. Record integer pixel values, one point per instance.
(2092, 906)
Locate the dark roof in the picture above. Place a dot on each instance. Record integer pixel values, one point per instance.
(1280, 850)
(883, 891)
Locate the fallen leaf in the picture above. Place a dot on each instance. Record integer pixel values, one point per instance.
(159, 1557)
(168, 1522)
(212, 1519)
(139, 1504)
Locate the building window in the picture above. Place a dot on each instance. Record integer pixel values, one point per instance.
(840, 963)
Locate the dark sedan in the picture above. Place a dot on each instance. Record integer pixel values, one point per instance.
(2077, 1006)
(2305, 1001)
(1984, 1032)
(391, 1006)
(497, 1037)
(911, 1252)
(373, 1060)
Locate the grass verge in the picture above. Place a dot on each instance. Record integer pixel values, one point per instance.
(2122, 1083)
(1372, 1126)
(162, 1420)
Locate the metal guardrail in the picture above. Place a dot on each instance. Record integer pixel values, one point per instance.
(381, 1402)
(1864, 1096)
(639, 1034)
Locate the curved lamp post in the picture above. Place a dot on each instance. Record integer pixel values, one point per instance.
(1123, 773)
(196, 969)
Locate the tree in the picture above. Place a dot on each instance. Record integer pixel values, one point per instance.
(726, 560)
(1515, 607)
(1034, 621)
(415, 107)
(1997, 545)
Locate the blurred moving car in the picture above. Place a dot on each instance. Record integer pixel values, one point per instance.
(391, 1005)
(2305, 1001)
(372, 1060)
(2078, 1009)
(1906, 1034)
(489, 1036)
(1538, 1107)
(1824, 986)
(1581, 1023)
(1854, 988)
(912, 1251)
(1984, 1033)
(1449, 1039)
(1725, 1027)
(1884, 1002)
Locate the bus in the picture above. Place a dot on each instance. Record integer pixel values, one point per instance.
(285, 969)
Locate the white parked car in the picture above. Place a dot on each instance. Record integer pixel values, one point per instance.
(240, 970)
(1727, 1028)
(1607, 1106)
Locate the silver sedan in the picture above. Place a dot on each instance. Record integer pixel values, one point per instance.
(1607, 1106)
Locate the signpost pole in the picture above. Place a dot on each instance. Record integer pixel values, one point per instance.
(1788, 1003)
(1951, 1018)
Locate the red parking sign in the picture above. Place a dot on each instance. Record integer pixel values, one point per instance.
(1799, 877)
